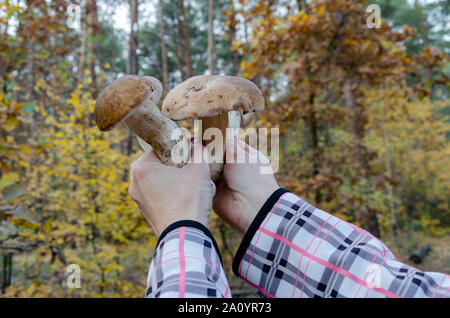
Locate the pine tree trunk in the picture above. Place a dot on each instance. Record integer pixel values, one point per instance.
(132, 47)
(93, 30)
(165, 74)
(187, 50)
(313, 127)
(232, 31)
(389, 172)
(211, 40)
(132, 55)
(84, 40)
(178, 56)
(301, 5)
(90, 28)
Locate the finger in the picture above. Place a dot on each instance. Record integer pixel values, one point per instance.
(213, 189)
(150, 156)
(146, 159)
(197, 150)
(231, 148)
(221, 184)
(246, 147)
(254, 154)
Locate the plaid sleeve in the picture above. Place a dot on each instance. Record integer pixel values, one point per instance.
(293, 249)
(186, 263)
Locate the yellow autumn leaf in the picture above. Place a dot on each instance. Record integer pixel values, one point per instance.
(23, 163)
(321, 10)
(8, 179)
(10, 123)
(303, 15)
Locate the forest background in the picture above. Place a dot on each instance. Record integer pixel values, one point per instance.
(363, 114)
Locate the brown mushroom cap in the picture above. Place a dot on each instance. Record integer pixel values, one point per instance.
(117, 101)
(211, 95)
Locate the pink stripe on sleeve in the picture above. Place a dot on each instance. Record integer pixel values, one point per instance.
(182, 281)
(327, 264)
(314, 253)
(258, 288)
(301, 257)
(437, 287)
(446, 293)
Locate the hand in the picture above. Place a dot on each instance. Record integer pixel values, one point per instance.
(243, 189)
(166, 194)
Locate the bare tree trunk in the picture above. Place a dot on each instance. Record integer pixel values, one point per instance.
(132, 55)
(90, 28)
(313, 127)
(30, 70)
(178, 56)
(132, 47)
(211, 41)
(301, 4)
(93, 30)
(232, 31)
(6, 271)
(187, 50)
(388, 168)
(357, 120)
(165, 73)
(234, 58)
(84, 40)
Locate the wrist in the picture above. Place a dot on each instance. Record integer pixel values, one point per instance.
(189, 224)
(266, 208)
(259, 198)
(159, 229)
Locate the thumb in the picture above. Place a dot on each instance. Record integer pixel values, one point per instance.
(197, 151)
(236, 149)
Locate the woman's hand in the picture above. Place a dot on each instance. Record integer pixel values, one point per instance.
(243, 188)
(166, 194)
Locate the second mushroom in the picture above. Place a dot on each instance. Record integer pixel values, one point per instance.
(219, 101)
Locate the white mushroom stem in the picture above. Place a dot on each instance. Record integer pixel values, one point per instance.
(223, 121)
(160, 132)
(247, 119)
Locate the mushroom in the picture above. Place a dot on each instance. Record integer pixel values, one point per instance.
(132, 99)
(219, 101)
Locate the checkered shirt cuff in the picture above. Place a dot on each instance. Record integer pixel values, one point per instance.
(186, 263)
(293, 249)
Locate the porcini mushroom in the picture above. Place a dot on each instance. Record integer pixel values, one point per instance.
(132, 99)
(219, 101)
